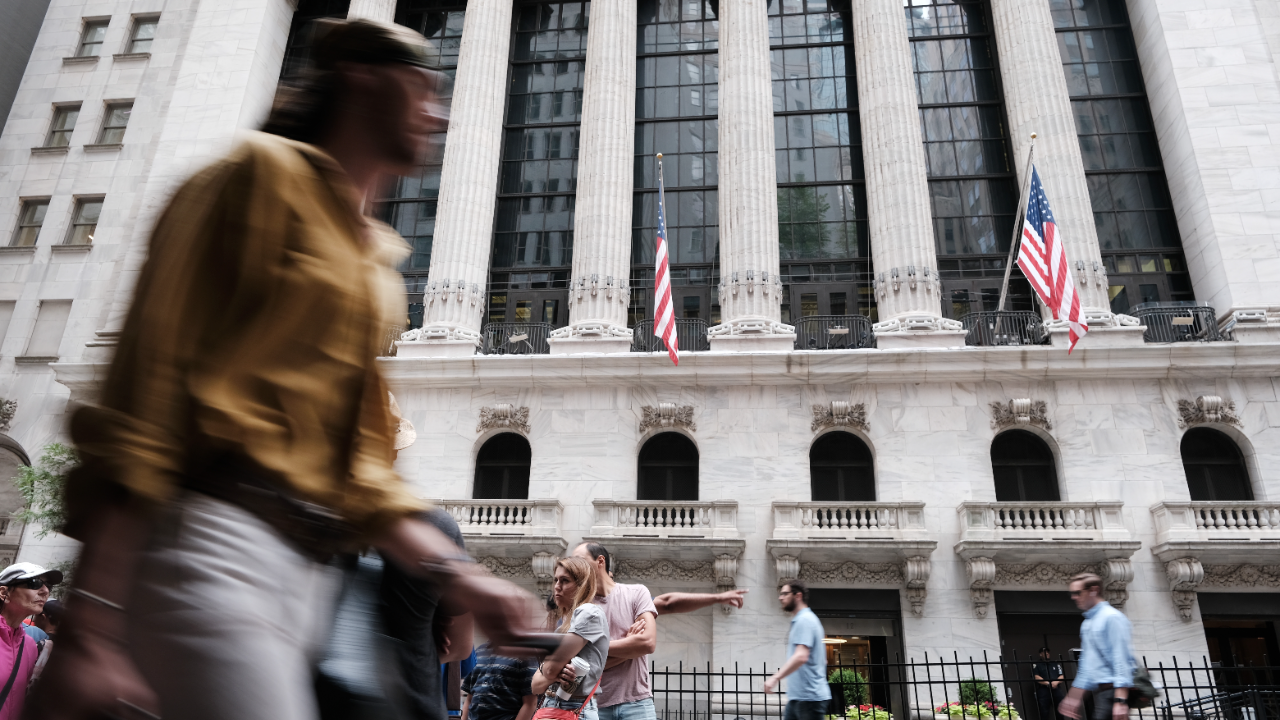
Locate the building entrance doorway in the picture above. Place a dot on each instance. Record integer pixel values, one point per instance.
(863, 643)
(1029, 621)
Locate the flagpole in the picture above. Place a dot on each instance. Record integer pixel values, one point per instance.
(1017, 224)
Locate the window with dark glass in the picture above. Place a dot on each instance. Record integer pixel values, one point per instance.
(84, 221)
(972, 179)
(143, 34)
(297, 49)
(1215, 466)
(841, 469)
(30, 220)
(677, 105)
(92, 37)
(1132, 208)
(114, 122)
(822, 217)
(533, 230)
(502, 468)
(668, 468)
(1024, 468)
(64, 123)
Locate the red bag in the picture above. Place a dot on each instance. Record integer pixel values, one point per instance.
(546, 713)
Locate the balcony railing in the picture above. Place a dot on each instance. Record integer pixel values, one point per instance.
(653, 518)
(1171, 322)
(834, 332)
(1007, 327)
(691, 334)
(1042, 521)
(1216, 520)
(515, 338)
(843, 520)
(505, 517)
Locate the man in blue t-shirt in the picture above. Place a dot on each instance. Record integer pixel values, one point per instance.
(808, 693)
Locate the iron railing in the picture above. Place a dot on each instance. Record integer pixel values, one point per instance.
(953, 689)
(1168, 323)
(1004, 327)
(516, 338)
(834, 332)
(691, 334)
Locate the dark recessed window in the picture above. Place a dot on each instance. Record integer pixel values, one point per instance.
(841, 469)
(502, 468)
(668, 468)
(1024, 468)
(1215, 467)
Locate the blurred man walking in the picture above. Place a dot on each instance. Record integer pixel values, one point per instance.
(808, 694)
(1106, 656)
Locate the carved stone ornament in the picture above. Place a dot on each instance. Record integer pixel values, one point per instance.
(982, 573)
(1207, 409)
(788, 567)
(509, 568)
(8, 408)
(504, 416)
(1116, 575)
(851, 572)
(1185, 575)
(543, 565)
(726, 571)
(839, 413)
(916, 572)
(1257, 576)
(1020, 411)
(666, 570)
(667, 415)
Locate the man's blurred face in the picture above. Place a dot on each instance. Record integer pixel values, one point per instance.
(405, 109)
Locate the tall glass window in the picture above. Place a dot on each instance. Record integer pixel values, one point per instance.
(533, 233)
(297, 50)
(972, 180)
(1141, 245)
(822, 216)
(677, 102)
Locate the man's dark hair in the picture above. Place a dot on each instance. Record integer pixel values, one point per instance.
(1090, 581)
(53, 611)
(1044, 649)
(800, 589)
(597, 551)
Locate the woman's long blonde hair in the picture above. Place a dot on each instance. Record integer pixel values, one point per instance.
(584, 575)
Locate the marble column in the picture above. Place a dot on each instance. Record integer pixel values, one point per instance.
(380, 10)
(1036, 101)
(750, 289)
(455, 296)
(598, 293)
(908, 293)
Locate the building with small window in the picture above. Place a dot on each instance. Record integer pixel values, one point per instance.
(861, 402)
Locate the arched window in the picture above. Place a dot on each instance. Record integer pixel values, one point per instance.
(840, 468)
(668, 468)
(1215, 466)
(1024, 468)
(502, 468)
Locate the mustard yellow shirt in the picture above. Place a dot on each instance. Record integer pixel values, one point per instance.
(254, 330)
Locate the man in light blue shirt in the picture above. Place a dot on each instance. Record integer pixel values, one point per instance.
(1106, 657)
(808, 693)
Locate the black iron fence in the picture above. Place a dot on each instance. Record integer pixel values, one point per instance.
(1005, 327)
(515, 338)
(954, 689)
(834, 332)
(1193, 323)
(691, 335)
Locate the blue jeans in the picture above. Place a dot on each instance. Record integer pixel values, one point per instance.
(805, 709)
(636, 710)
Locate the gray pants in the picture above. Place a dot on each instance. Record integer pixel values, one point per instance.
(226, 618)
(1102, 704)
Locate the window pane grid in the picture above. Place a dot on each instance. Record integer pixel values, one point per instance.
(667, 26)
(95, 33)
(302, 33)
(144, 31)
(84, 223)
(114, 122)
(30, 221)
(64, 123)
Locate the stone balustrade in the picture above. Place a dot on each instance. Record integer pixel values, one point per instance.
(1216, 520)
(840, 520)
(505, 517)
(660, 519)
(1049, 521)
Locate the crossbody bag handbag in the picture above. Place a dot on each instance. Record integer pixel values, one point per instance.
(548, 713)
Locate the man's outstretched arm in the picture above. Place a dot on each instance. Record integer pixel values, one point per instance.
(678, 602)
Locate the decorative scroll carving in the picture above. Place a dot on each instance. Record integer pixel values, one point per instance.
(982, 573)
(1116, 575)
(916, 572)
(788, 567)
(726, 571)
(504, 415)
(1207, 409)
(666, 570)
(839, 413)
(851, 572)
(1185, 575)
(1039, 573)
(1263, 576)
(1020, 411)
(510, 568)
(8, 408)
(667, 415)
(543, 565)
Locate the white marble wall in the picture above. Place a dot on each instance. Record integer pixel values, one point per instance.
(1116, 440)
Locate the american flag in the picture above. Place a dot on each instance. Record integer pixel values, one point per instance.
(664, 323)
(1043, 260)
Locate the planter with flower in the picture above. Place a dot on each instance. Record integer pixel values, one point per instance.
(867, 712)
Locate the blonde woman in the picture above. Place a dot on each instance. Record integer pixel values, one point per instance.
(586, 637)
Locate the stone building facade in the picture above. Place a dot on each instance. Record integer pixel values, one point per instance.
(842, 183)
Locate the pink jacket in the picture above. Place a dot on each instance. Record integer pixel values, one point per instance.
(9, 639)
